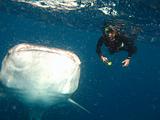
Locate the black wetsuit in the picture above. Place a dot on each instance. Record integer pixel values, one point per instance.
(121, 42)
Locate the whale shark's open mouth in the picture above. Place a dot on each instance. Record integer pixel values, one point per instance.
(29, 47)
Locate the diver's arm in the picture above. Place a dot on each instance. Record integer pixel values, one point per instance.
(129, 43)
(131, 49)
(99, 52)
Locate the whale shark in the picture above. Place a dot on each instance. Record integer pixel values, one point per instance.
(40, 76)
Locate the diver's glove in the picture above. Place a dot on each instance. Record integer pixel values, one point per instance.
(126, 62)
(105, 60)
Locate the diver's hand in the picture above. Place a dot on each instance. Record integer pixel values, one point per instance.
(104, 59)
(126, 62)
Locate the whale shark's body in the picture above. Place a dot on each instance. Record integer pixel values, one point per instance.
(39, 75)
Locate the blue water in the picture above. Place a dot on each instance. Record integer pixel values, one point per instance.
(110, 93)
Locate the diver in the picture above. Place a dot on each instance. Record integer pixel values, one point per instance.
(117, 41)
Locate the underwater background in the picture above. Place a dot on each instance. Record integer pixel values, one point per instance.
(108, 92)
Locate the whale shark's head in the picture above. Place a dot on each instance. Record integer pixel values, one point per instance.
(37, 73)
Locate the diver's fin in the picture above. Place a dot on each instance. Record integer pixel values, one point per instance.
(78, 105)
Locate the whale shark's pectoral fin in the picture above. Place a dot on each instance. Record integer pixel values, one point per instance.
(78, 105)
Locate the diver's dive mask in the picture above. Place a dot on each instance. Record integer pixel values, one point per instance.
(108, 30)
